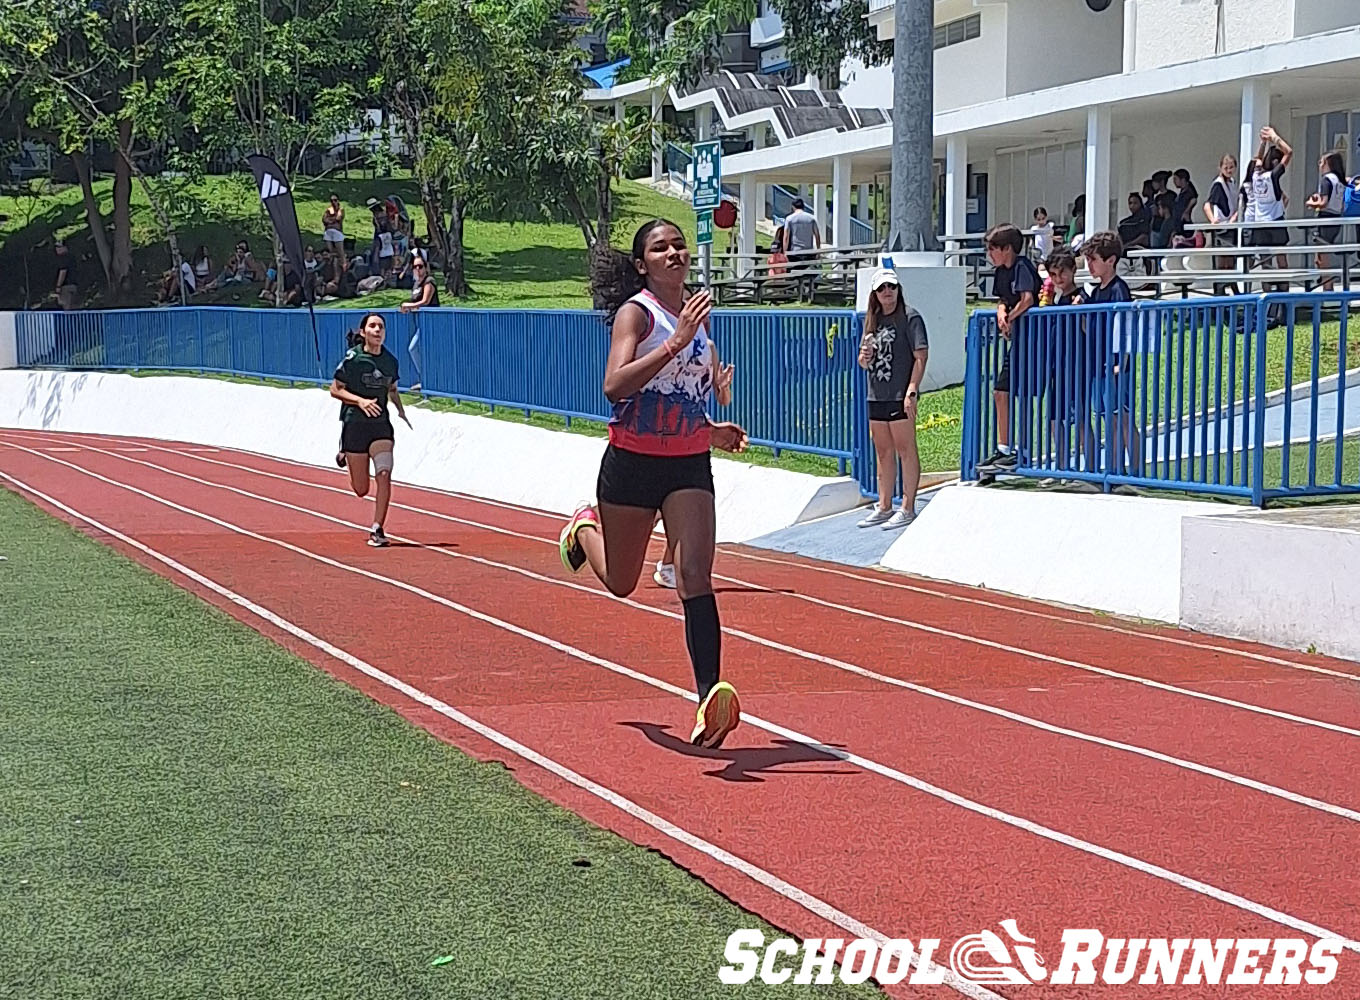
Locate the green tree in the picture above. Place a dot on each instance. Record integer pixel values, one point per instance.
(82, 73)
(279, 77)
(678, 41)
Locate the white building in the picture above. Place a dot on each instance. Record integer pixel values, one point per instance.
(1039, 101)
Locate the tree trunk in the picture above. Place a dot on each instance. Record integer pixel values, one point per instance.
(581, 217)
(120, 271)
(604, 196)
(93, 218)
(912, 227)
(455, 274)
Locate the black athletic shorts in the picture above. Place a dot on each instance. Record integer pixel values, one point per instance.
(1003, 377)
(357, 435)
(628, 479)
(888, 411)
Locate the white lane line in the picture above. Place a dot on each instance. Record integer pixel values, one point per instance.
(910, 781)
(788, 890)
(1188, 765)
(902, 622)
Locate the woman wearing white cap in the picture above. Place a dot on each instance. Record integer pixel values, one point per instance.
(893, 353)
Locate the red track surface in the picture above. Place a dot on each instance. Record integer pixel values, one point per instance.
(1232, 817)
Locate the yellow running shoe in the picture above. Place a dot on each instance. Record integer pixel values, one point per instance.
(573, 558)
(718, 715)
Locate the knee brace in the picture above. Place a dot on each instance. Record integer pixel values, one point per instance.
(382, 462)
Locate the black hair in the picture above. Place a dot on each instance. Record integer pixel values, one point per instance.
(1040, 210)
(1336, 163)
(1182, 175)
(798, 203)
(614, 277)
(356, 336)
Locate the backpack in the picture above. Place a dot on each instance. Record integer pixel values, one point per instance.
(1350, 200)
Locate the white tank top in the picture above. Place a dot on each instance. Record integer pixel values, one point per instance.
(1262, 205)
(1336, 202)
(668, 415)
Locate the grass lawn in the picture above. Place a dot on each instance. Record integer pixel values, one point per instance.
(526, 265)
(191, 811)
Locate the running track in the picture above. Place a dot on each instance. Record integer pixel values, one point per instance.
(918, 761)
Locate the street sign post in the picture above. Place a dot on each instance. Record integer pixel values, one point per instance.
(704, 222)
(707, 166)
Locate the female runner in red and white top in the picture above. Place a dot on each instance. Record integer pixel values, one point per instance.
(658, 377)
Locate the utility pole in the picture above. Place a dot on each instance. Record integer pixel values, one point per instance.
(913, 154)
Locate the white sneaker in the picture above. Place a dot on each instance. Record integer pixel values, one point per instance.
(900, 519)
(876, 516)
(664, 575)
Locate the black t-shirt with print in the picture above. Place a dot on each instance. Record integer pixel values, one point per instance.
(894, 343)
(369, 376)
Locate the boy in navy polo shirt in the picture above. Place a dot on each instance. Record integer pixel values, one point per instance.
(1114, 390)
(1016, 286)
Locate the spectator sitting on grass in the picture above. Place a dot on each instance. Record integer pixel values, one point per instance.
(1016, 287)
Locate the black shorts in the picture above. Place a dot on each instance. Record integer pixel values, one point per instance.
(357, 435)
(888, 411)
(1003, 377)
(628, 479)
(1326, 235)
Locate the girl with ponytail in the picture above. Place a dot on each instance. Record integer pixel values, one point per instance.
(365, 381)
(659, 374)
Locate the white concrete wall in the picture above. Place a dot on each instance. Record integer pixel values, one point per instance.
(549, 470)
(1116, 554)
(970, 72)
(1051, 176)
(9, 347)
(1258, 578)
(1249, 24)
(1173, 31)
(1313, 16)
(1035, 36)
(937, 293)
(1195, 145)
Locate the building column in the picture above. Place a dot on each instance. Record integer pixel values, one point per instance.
(758, 142)
(618, 111)
(840, 197)
(703, 122)
(748, 213)
(956, 187)
(656, 135)
(862, 203)
(1098, 165)
(819, 209)
(1255, 116)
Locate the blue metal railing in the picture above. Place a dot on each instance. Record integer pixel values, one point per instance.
(797, 384)
(1246, 396)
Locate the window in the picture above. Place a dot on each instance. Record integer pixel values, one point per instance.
(962, 30)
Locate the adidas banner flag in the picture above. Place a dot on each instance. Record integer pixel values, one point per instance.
(277, 195)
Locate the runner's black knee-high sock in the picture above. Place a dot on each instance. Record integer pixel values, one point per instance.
(703, 635)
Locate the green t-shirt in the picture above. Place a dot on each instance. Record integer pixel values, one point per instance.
(366, 375)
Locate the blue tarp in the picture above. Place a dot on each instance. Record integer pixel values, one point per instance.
(606, 75)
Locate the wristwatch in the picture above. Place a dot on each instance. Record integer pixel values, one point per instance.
(911, 393)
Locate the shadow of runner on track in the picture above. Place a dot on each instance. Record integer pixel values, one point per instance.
(745, 764)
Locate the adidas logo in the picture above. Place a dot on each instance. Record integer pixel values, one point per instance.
(271, 187)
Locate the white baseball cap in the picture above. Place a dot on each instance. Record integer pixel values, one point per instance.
(883, 276)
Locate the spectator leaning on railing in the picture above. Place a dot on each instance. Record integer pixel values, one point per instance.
(1114, 391)
(1016, 287)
